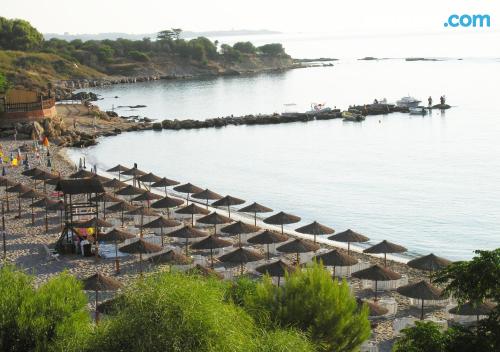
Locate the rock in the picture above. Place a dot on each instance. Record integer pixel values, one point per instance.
(157, 126)
(111, 113)
(37, 131)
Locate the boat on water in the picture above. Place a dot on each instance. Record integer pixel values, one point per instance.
(318, 108)
(419, 110)
(352, 116)
(408, 102)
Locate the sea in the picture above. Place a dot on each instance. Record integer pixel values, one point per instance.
(429, 183)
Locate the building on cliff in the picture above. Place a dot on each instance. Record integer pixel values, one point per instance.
(18, 105)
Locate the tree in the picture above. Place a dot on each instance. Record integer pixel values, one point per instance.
(167, 35)
(245, 47)
(423, 337)
(475, 280)
(18, 35)
(3, 82)
(275, 49)
(177, 33)
(315, 304)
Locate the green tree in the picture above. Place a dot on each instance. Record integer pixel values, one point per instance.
(245, 47)
(3, 82)
(167, 34)
(423, 337)
(274, 49)
(18, 35)
(177, 33)
(315, 304)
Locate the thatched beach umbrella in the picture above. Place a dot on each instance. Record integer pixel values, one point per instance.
(105, 198)
(5, 182)
(99, 282)
(376, 273)
(167, 203)
(241, 256)
(121, 207)
(268, 237)
(57, 206)
(119, 169)
(82, 174)
(142, 211)
(298, 246)
(422, 290)
(207, 195)
(204, 271)
(160, 223)
(255, 208)
(192, 209)
(114, 183)
(140, 247)
(429, 263)
(211, 242)
(214, 219)
(165, 182)
(473, 309)
(44, 203)
(385, 247)
(169, 257)
(228, 201)
(95, 222)
(54, 181)
(349, 236)
(146, 197)
(277, 269)
(18, 188)
(239, 228)
(188, 188)
(335, 258)
(134, 172)
(282, 218)
(187, 232)
(32, 194)
(130, 190)
(32, 172)
(45, 176)
(374, 310)
(116, 236)
(315, 229)
(149, 178)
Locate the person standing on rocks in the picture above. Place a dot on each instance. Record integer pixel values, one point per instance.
(430, 101)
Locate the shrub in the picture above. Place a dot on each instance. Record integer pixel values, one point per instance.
(274, 49)
(423, 337)
(245, 47)
(315, 304)
(138, 56)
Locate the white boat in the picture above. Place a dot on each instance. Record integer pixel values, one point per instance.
(318, 108)
(419, 110)
(408, 102)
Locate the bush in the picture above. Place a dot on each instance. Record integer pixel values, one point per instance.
(245, 47)
(315, 304)
(18, 35)
(3, 82)
(423, 337)
(138, 56)
(275, 49)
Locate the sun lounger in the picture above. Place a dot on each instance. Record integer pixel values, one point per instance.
(51, 253)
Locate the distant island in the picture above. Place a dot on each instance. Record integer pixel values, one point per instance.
(184, 35)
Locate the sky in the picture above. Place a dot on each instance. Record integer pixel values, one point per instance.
(291, 16)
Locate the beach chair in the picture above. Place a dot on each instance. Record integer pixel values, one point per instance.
(50, 253)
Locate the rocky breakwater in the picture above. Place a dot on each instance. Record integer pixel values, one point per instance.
(245, 120)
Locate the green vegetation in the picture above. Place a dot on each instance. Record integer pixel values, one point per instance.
(312, 302)
(476, 280)
(3, 82)
(19, 35)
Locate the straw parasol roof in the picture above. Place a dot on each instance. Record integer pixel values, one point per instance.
(276, 269)
(206, 194)
(315, 228)
(133, 172)
(470, 308)
(32, 172)
(192, 209)
(239, 228)
(349, 236)
(146, 196)
(167, 202)
(214, 219)
(385, 247)
(82, 174)
(267, 237)
(187, 232)
(169, 257)
(100, 282)
(140, 247)
(164, 182)
(18, 188)
(101, 178)
(374, 310)
(429, 262)
(211, 242)
(144, 211)
(130, 191)
(5, 182)
(376, 273)
(95, 222)
(298, 245)
(241, 256)
(31, 194)
(228, 201)
(204, 271)
(149, 177)
(53, 181)
(121, 206)
(105, 197)
(118, 168)
(116, 235)
(421, 290)
(255, 208)
(114, 183)
(335, 258)
(188, 188)
(80, 186)
(45, 176)
(161, 222)
(281, 218)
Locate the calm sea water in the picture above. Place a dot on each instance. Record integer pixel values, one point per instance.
(429, 183)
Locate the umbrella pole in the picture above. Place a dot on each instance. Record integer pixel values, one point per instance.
(187, 199)
(192, 219)
(212, 257)
(122, 217)
(161, 234)
(239, 240)
(61, 219)
(298, 258)
(385, 260)
(96, 310)
(229, 211)
(207, 203)
(168, 213)
(422, 313)
(241, 268)
(279, 279)
(46, 221)
(187, 242)
(376, 286)
(215, 229)
(104, 209)
(3, 234)
(255, 218)
(348, 248)
(268, 255)
(7, 198)
(140, 263)
(117, 261)
(19, 208)
(334, 271)
(32, 213)
(166, 191)
(282, 229)
(142, 219)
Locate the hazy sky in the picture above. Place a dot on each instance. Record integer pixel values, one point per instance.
(319, 16)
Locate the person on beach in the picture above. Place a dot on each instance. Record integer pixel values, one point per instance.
(430, 101)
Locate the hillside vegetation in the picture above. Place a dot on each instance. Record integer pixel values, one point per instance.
(29, 60)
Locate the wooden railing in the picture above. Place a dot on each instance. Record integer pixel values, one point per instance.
(26, 107)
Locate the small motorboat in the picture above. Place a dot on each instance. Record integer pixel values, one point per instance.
(408, 102)
(419, 110)
(352, 116)
(318, 108)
